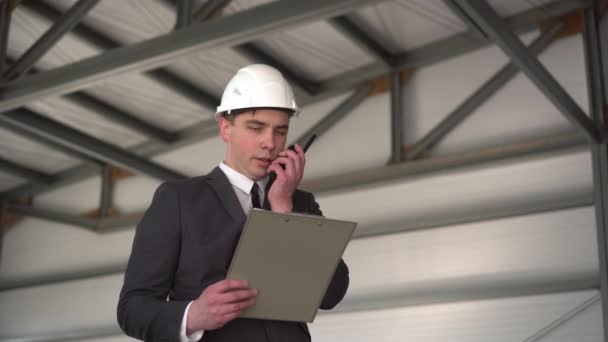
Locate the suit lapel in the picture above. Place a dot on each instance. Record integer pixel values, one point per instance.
(224, 191)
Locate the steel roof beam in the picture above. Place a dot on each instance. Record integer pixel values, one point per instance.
(302, 86)
(107, 192)
(102, 42)
(397, 136)
(25, 172)
(59, 28)
(444, 49)
(116, 115)
(434, 52)
(53, 216)
(597, 69)
(504, 37)
(255, 53)
(209, 8)
(88, 145)
(347, 25)
(228, 31)
(371, 177)
(77, 173)
(184, 14)
(476, 31)
(538, 148)
(5, 24)
(90, 163)
(100, 225)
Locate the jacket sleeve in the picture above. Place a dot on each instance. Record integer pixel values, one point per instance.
(339, 282)
(143, 309)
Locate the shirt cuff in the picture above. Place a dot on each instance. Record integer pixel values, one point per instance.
(197, 335)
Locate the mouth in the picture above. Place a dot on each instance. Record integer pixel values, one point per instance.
(264, 162)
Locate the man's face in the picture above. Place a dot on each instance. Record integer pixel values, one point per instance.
(254, 140)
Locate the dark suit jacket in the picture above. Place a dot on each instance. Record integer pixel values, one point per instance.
(184, 243)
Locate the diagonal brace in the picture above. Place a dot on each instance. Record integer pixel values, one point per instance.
(482, 94)
(495, 27)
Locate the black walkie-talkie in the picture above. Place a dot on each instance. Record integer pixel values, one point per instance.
(272, 176)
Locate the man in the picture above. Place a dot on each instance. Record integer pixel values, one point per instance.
(175, 287)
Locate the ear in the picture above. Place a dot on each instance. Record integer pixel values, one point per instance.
(225, 127)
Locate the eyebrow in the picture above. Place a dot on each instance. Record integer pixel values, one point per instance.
(262, 123)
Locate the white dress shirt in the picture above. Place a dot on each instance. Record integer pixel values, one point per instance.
(242, 188)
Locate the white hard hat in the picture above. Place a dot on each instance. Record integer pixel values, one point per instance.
(257, 86)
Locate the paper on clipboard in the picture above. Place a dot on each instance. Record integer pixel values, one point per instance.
(290, 259)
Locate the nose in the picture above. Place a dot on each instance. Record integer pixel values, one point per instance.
(268, 140)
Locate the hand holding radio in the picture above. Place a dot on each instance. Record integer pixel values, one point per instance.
(286, 172)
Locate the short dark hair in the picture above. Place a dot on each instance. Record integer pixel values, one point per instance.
(233, 113)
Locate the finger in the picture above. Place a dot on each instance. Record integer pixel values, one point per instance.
(236, 296)
(291, 169)
(298, 155)
(278, 170)
(229, 285)
(227, 309)
(289, 160)
(299, 149)
(296, 158)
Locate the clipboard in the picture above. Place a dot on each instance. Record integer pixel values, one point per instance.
(290, 259)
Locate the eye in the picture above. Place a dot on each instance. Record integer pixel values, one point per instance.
(256, 128)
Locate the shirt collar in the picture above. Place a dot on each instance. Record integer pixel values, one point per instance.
(241, 181)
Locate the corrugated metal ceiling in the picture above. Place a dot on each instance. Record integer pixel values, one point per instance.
(315, 52)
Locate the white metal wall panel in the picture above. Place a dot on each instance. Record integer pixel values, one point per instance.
(35, 249)
(453, 263)
(507, 320)
(454, 193)
(79, 197)
(584, 326)
(65, 307)
(53, 310)
(360, 141)
(135, 193)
